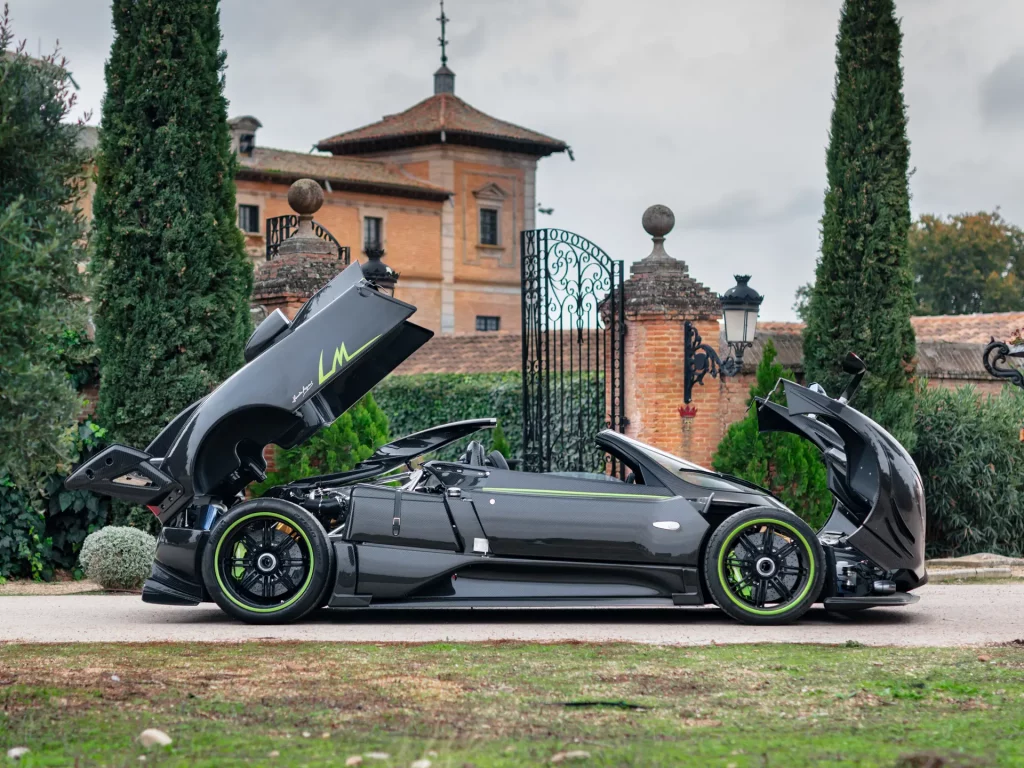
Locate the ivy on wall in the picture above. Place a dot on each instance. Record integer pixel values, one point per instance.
(43, 525)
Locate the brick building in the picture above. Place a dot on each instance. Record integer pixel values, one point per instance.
(444, 188)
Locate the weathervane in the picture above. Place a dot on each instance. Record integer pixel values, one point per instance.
(444, 43)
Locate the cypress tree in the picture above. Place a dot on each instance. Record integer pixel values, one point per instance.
(864, 295)
(174, 281)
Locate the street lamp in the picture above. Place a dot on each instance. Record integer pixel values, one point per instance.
(740, 305)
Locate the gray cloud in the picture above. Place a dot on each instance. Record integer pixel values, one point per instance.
(718, 110)
(748, 208)
(1002, 92)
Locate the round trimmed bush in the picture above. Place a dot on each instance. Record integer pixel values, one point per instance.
(118, 557)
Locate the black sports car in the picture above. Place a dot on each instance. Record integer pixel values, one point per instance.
(400, 531)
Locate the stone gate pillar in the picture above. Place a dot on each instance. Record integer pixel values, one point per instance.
(660, 296)
(304, 262)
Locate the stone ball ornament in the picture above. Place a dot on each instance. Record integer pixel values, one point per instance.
(658, 220)
(305, 197)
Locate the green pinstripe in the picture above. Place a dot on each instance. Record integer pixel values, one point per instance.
(589, 494)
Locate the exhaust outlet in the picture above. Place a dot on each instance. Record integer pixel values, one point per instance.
(884, 587)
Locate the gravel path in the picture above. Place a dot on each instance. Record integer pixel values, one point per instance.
(946, 615)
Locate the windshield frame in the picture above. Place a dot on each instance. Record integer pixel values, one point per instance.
(673, 473)
(653, 452)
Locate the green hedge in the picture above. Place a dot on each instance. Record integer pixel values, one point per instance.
(425, 400)
(972, 464)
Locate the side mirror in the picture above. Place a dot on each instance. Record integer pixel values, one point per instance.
(265, 335)
(852, 364)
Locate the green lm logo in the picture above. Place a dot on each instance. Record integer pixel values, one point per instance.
(341, 356)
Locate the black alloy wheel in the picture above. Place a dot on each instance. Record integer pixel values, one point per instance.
(267, 562)
(764, 566)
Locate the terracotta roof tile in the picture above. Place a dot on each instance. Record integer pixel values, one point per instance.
(342, 172)
(938, 359)
(495, 352)
(443, 112)
(467, 353)
(966, 328)
(949, 347)
(779, 326)
(978, 328)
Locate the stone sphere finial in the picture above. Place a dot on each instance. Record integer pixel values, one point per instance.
(305, 197)
(658, 220)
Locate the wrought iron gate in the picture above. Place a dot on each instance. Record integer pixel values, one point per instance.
(573, 350)
(279, 229)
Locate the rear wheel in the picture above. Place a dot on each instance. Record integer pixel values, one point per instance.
(764, 566)
(267, 562)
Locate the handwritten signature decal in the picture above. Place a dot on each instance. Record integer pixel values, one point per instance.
(301, 392)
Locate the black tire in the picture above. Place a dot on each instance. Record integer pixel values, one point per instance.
(267, 561)
(764, 566)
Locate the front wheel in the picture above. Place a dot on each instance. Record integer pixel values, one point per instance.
(267, 561)
(764, 566)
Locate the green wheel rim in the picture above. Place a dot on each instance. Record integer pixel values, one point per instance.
(735, 572)
(232, 574)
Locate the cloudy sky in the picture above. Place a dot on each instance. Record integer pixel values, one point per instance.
(718, 110)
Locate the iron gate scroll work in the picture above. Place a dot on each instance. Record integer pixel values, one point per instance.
(279, 229)
(573, 351)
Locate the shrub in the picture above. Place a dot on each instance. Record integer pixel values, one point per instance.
(43, 525)
(21, 533)
(417, 402)
(73, 515)
(499, 442)
(401, 405)
(971, 461)
(787, 465)
(118, 557)
(351, 439)
(79, 355)
(40, 247)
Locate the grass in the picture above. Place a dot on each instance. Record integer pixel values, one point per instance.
(509, 704)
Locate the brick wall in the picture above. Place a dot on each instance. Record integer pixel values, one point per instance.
(654, 389)
(987, 386)
(470, 303)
